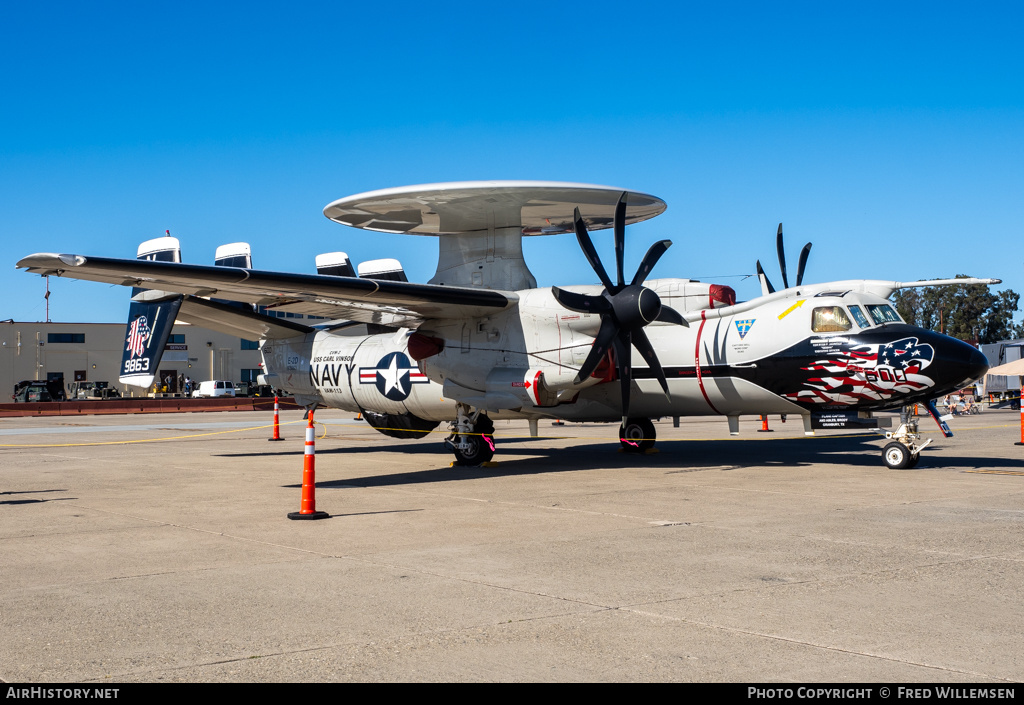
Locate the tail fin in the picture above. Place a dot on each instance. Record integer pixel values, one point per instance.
(335, 263)
(387, 269)
(235, 254)
(151, 316)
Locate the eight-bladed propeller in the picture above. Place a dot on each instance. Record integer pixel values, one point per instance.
(624, 308)
(782, 265)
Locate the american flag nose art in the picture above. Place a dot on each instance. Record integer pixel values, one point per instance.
(138, 335)
(858, 373)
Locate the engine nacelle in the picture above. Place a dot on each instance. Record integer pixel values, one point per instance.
(685, 295)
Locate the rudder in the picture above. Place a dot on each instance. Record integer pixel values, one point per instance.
(151, 316)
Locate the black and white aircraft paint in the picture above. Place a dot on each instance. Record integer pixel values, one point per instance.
(480, 341)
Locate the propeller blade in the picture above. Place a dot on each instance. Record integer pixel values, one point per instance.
(650, 259)
(604, 338)
(588, 249)
(623, 352)
(766, 286)
(643, 344)
(581, 303)
(803, 263)
(670, 315)
(782, 257)
(620, 237)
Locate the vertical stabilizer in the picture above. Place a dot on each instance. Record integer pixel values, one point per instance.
(235, 254)
(386, 269)
(151, 316)
(336, 264)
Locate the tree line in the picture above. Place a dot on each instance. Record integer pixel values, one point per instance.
(971, 313)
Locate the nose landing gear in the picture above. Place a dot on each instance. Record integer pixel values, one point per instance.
(905, 449)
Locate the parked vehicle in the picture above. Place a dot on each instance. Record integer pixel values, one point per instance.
(39, 391)
(93, 391)
(252, 389)
(214, 388)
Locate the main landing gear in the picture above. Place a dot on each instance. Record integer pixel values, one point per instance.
(637, 435)
(904, 450)
(472, 437)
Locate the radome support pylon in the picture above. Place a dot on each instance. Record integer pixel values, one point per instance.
(277, 422)
(308, 505)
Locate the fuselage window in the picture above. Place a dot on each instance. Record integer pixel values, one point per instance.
(859, 316)
(830, 319)
(883, 313)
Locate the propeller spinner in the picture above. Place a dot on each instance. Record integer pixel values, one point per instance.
(624, 308)
(801, 265)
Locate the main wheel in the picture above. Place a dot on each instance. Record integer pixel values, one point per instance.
(481, 447)
(637, 435)
(897, 456)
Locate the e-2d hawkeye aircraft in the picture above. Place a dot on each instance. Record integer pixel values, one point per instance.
(480, 341)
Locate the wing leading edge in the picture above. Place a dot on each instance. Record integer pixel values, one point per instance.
(367, 300)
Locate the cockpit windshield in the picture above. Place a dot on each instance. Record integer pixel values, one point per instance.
(883, 313)
(858, 315)
(830, 319)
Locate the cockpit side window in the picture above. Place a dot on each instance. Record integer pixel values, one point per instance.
(830, 319)
(859, 316)
(883, 313)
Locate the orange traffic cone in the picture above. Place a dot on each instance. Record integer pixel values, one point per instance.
(308, 505)
(1021, 420)
(277, 423)
(764, 424)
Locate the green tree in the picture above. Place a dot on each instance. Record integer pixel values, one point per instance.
(966, 312)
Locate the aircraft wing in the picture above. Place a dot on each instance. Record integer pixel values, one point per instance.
(237, 320)
(371, 301)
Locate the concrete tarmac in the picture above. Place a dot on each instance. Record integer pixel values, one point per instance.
(156, 548)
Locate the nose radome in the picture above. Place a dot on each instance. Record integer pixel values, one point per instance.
(977, 363)
(965, 363)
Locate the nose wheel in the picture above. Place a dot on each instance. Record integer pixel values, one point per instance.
(904, 450)
(899, 457)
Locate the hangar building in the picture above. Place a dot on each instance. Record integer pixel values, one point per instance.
(79, 352)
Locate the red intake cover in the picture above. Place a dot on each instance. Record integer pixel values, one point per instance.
(423, 346)
(722, 295)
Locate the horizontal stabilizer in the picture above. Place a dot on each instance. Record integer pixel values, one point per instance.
(391, 303)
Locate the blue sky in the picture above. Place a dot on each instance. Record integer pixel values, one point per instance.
(889, 134)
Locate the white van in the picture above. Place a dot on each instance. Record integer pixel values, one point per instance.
(214, 388)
